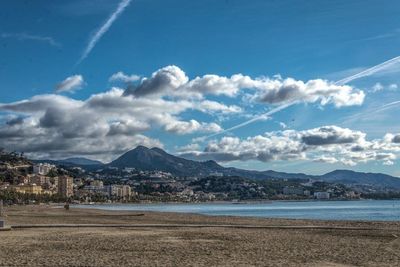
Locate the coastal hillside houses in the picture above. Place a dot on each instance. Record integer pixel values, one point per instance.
(322, 195)
(59, 183)
(114, 192)
(29, 189)
(43, 168)
(65, 186)
(291, 190)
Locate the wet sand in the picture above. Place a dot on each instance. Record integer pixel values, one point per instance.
(379, 245)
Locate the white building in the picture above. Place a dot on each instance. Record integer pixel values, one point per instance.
(321, 195)
(119, 191)
(42, 168)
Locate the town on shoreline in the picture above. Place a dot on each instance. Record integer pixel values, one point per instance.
(26, 182)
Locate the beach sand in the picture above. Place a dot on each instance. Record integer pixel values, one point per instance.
(190, 246)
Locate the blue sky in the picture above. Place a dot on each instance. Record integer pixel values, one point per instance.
(42, 43)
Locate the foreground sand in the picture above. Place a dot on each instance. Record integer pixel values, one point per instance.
(210, 246)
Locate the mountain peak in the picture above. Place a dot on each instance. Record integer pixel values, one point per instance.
(156, 159)
(81, 161)
(159, 150)
(140, 148)
(143, 158)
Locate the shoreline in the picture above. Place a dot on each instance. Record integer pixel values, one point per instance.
(53, 211)
(267, 210)
(244, 202)
(182, 239)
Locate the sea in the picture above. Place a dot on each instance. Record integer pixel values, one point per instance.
(359, 210)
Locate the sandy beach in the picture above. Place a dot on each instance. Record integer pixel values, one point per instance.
(171, 244)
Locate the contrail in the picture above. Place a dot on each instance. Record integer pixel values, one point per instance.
(103, 29)
(361, 74)
(371, 112)
(370, 71)
(257, 118)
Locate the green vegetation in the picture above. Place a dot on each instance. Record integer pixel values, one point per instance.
(12, 197)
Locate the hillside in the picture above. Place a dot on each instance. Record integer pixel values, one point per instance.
(80, 161)
(143, 158)
(156, 159)
(352, 177)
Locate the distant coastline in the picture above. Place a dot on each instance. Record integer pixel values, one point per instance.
(362, 210)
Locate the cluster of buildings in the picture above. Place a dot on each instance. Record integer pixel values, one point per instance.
(39, 184)
(43, 179)
(113, 192)
(36, 180)
(43, 168)
(61, 185)
(130, 184)
(332, 191)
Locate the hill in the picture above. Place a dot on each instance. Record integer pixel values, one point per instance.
(80, 161)
(143, 158)
(351, 178)
(156, 159)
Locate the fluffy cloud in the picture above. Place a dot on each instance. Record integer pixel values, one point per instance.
(163, 81)
(172, 81)
(394, 138)
(70, 84)
(105, 124)
(120, 76)
(329, 135)
(187, 127)
(393, 87)
(290, 90)
(329, 144)
(380, 87)
(377, 87)
(212, 106)
(108, 123)
(15, 120)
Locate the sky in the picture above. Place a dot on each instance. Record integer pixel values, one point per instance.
(289, 85)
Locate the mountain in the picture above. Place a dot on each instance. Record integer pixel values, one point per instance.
(143, 158)
(80, 161)
(73, 162)
(156, 159)
(351, 177)
(285, 175)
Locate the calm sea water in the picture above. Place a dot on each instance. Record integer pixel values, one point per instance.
(367, 210)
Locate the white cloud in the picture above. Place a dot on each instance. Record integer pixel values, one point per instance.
(108, 123)
(172, 81)
(70, 84)
(290, 90)
(188, 148)
(283, 125)
(328, 135)
(31, 37)
(380, 87)
(191, 126)
(120, 76)
(377, 87)
(208, 106)
(394, 138)
(163, 81)
(328, 144)
(393, 87)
